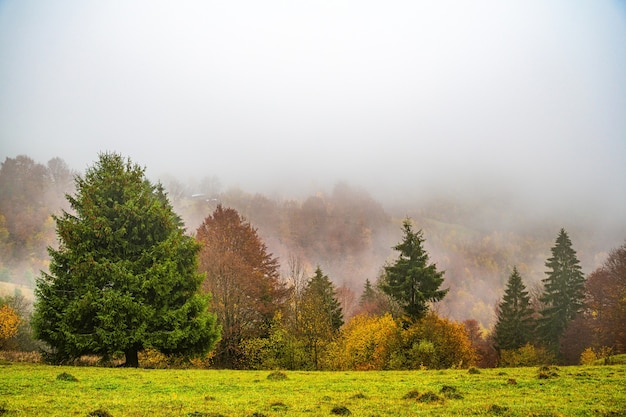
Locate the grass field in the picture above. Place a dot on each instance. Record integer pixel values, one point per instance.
(36, 390)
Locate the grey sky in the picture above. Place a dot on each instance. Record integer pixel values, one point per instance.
(394, 96)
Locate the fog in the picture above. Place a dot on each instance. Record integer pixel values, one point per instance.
(520, 104)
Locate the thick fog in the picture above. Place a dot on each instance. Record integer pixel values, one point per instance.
(514, 100)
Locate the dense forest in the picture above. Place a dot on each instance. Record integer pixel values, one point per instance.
(344, 230)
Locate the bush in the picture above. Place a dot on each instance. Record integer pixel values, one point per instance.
(277, 376)
(413, 394)
(99, 413)
(527, 355)
(588, 357)
(429, 397)
(66, 377)
(153, 359)
(451, 392)
(437, 343)
(341, 411)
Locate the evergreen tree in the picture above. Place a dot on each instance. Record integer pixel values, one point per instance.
(515, 324)
(321, 314)
(563, 292)
(411, 280)
(125, 275)
(368, 295)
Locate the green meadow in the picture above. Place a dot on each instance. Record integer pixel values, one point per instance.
(42, 390)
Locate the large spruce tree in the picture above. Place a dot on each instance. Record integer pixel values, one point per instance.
(411, 279)
(515, 324)
(563, 293)
(125, 275)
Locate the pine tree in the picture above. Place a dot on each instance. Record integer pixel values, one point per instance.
(515, 324)
(125, 274)
(563, 292)
(411, 280)
(368, 295)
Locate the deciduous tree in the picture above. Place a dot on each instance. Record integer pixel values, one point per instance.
(125, 274)
(606, 301)
(411, 279)
(243, 278)
(367, 342)
(9, 324)
(435, 343)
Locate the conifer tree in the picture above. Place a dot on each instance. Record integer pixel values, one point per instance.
(515, 324)
(563, 292)
(411, 280)
(368, 295)
(125, 274)
(321, 314)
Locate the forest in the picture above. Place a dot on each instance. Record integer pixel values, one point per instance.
(334, 249)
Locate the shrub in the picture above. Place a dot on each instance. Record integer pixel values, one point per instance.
(497, 409)
(527, 355)
(99, 413)
(451, 392)
(438, 343)
(341, 410)
(547, 372)
(153, 359)
(66, 377)
(277, 376)
(588, 356)
(429, 397)
(413, 394)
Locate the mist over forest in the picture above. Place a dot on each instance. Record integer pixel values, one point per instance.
(491, 124)
(343, 229)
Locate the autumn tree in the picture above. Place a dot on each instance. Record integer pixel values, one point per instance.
(368, 342)
(563, 293)
(411, 279)
(243, 278)
(321, 314)
(125, 276)
(482, 343)
(435, 343)
(28, 191)
(9, 324)
(606, 301)
(514, 323)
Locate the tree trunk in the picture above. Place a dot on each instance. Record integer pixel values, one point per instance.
(132, 358)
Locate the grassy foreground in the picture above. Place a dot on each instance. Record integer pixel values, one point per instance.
(35, 390)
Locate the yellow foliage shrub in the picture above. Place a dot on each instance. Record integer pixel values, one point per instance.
(588, 356)
(9, 323)
(368, 342)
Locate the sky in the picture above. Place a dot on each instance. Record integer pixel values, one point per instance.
(523, 98)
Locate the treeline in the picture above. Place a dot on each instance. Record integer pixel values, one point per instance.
(126, 278)
(345, 231)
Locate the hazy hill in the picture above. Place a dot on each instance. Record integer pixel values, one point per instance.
(345, 230)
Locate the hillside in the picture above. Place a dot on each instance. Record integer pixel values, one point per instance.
(349, 233)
